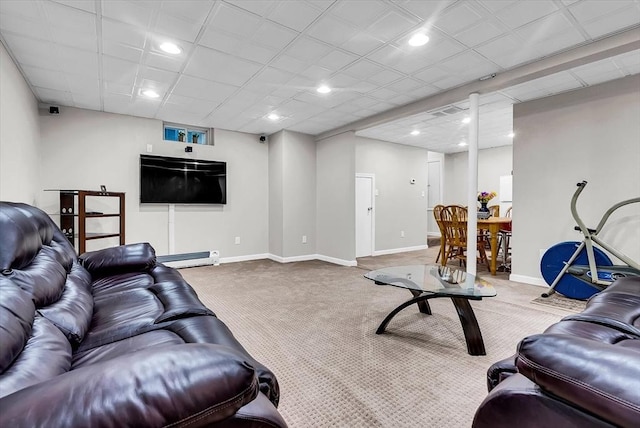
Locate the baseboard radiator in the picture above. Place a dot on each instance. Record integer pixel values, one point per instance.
(184, 260)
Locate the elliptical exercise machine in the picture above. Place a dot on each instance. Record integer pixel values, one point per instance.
(579, 270)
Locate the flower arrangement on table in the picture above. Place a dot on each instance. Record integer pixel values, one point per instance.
(484, 197)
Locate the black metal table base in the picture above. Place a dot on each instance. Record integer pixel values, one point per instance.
(472, 334)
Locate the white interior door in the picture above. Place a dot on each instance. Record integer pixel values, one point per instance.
(434, 196)
(364, 214)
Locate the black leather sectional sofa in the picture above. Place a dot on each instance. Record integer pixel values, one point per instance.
(114, 339)
(583, 371)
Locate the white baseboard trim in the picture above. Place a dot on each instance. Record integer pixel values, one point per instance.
(244, 258)
(400, 250)
(303, 258)
(528, 280)
(179, 264)
(336, 261)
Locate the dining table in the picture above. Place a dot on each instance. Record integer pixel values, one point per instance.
(493, 225)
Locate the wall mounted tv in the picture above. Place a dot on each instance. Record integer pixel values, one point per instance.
(165, 180)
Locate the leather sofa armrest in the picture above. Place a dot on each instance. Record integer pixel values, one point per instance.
(191, 384)
(500, 371)
(599, 377)
(125, 258)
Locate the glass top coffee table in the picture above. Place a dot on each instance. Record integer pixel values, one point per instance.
(429, 282)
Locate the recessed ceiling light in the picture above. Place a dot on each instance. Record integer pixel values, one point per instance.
(511, 135)
(150, 93)
(415, 132)
(462, 143)
(171, 48)
(273, 116)
(323, 89)
(418, 39)
(466, 120)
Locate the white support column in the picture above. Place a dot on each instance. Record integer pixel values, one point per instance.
(472, 185)
(172, 225)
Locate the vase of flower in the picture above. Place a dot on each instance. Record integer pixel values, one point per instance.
(484, 198)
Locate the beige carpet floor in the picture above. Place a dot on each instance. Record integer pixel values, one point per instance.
(313, 323)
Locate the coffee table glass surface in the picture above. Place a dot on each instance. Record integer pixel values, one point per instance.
(433, 279)
(427, 282)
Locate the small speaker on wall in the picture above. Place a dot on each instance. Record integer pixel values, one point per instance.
(188, 149)
(54, 110)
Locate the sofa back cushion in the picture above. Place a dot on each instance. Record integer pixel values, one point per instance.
(37, 257)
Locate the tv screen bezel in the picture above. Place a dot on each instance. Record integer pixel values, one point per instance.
(182, 160)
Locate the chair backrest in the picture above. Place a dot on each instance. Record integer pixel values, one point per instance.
(508, 213)
(437, 214)
(494, 210)
(456, 225)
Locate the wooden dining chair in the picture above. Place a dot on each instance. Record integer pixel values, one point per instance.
(437, 214)
(494, 210)
(455, 222)
(504, 244)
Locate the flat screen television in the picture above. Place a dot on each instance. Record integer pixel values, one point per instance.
(165, 180)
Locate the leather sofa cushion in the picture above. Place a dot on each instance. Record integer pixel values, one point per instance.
(186, 384)
(46, 355)
(16, 320)
(125, 258)
(600, 377)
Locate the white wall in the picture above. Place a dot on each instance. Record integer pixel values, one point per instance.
(400, 205)
(492, 163)
(299, 203)
(84, 149)
(335, 191)
(591, 134)
(19, 136)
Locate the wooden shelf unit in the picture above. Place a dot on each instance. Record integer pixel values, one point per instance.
(68, 215)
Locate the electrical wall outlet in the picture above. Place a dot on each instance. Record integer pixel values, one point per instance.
(149, 148)
(304, 239)
(237, 240)
(402, 233)
(215, 256)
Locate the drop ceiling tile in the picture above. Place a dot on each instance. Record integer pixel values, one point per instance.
(499, 47)
(273, 76)
(457, 18)
(30, 51)
(439, 51)
(385, 77)
(164, 62)
(189, 104)
(335, 60)
(234, 20)
(273, 35)
(627, 17)
(256, 53)
(295, 15)
(331, 30)
(523, 12)
(287, 63)
(86, 102)
(258, 7)
(317, 73)
(223, 68)
(427, 9)
(123, 33)
(480, 33)
(362, 43)
(431, 74)
(121, 51)
(194, 10)
(53, 96)
(363, 69)
(48, 79)
(450, 82)
(203, 89)
(590, 10)
(468, 63)
(119, 88)
(70, 37)
(221, 41)
(360, 13)
(119, 71)
(86, 86)
(177, 27)
(157, 75)
(61, 15)
(32, 27)
(405, 85)
(134, 13)
(78, 62)
(307, 49)
(392, 25)
(24, 9)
